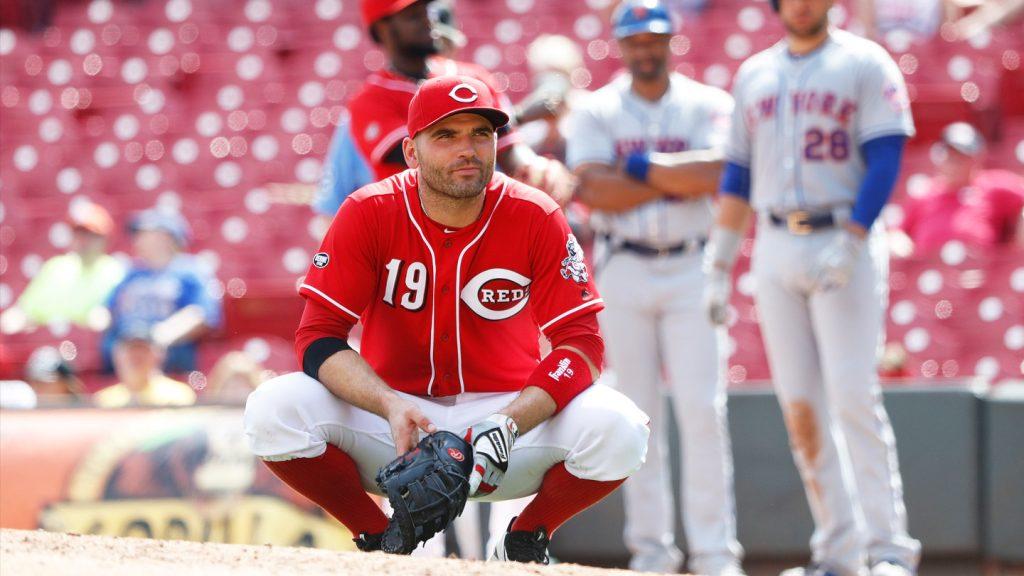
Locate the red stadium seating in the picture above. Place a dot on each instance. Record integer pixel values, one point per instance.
(198, 105)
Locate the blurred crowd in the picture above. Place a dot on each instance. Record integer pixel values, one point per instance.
(151, 310)
(149, 314)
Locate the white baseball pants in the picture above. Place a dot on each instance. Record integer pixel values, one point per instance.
(654, 326)
(822, 350)
(601, 435)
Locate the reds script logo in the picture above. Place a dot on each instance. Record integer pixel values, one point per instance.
(463, 98)
(497, 294)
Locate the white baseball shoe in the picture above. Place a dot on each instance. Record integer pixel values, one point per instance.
(717, 566)
(666, 560)
(890, 568)
(811, 570)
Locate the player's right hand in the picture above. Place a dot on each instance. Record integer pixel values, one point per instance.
(836, 262)
(406, 420)
(717, 290)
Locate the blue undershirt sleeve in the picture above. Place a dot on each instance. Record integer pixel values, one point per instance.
(882, 157)
(735, 181)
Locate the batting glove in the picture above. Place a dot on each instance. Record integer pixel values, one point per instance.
(717, 289)
(492, 442)
(835, 264)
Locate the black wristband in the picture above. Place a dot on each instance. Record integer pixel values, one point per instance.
(318, 352)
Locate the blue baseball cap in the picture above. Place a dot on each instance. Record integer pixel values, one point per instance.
(169, 222)
(640, 16)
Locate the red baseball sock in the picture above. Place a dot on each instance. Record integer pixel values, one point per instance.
(561, 496)
(332, 481)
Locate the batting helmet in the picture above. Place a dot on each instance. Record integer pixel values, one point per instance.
(639, 16)
(775, 5)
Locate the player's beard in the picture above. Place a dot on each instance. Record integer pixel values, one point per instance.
(648, 69)
(441, 179)
(420, 49)
(811, 31)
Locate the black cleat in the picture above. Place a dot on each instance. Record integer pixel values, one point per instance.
(522, 546)
(369, 542)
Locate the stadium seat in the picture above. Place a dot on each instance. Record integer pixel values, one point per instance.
(198, 105)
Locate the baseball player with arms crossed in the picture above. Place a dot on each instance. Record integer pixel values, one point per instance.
(814, 149)
(404, 31)
(452, 269)
(648, 151)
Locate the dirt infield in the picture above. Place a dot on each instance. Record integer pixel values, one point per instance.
(39, 553)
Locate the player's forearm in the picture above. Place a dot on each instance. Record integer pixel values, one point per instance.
(530, 408)
(734, 213)
(534, 405)
(347, 375)
(184, 325)
(607, 190)
(689, 174)
(727, 236)
(988, 15)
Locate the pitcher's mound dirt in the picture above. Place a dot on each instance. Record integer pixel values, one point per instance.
(38, 553)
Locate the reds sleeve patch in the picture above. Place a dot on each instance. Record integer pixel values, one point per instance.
(573, 265)
(320, 259)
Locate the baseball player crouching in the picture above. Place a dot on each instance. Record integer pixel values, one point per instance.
(452, 269)
(814, 150)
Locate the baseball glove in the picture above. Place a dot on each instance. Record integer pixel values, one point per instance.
(427, 487)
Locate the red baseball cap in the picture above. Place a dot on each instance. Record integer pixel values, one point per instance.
(374, 10)
(439, 98)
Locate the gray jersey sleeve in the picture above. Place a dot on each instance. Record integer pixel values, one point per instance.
(587, 138)
(719, 122)
(884, 105)
(737, 146)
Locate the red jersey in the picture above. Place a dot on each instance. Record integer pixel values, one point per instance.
(986, 213)
(381, 107)
(451, 311)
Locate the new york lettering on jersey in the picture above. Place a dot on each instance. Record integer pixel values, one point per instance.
(803, 119)
(461, 306)
(615, 123)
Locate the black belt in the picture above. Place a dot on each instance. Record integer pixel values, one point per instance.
(801, 222)
(655, 251)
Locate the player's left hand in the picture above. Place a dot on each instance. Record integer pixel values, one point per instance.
(549, 175)
(835, 264)
(717, 289)
(492, 441)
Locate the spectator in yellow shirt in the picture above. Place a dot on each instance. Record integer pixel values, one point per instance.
(137, 361)
(72, 287)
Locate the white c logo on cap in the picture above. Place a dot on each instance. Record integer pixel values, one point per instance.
(455, 93)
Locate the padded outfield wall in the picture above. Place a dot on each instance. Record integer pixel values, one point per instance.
(185, 474)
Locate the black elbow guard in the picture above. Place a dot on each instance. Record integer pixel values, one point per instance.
(318, 352)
